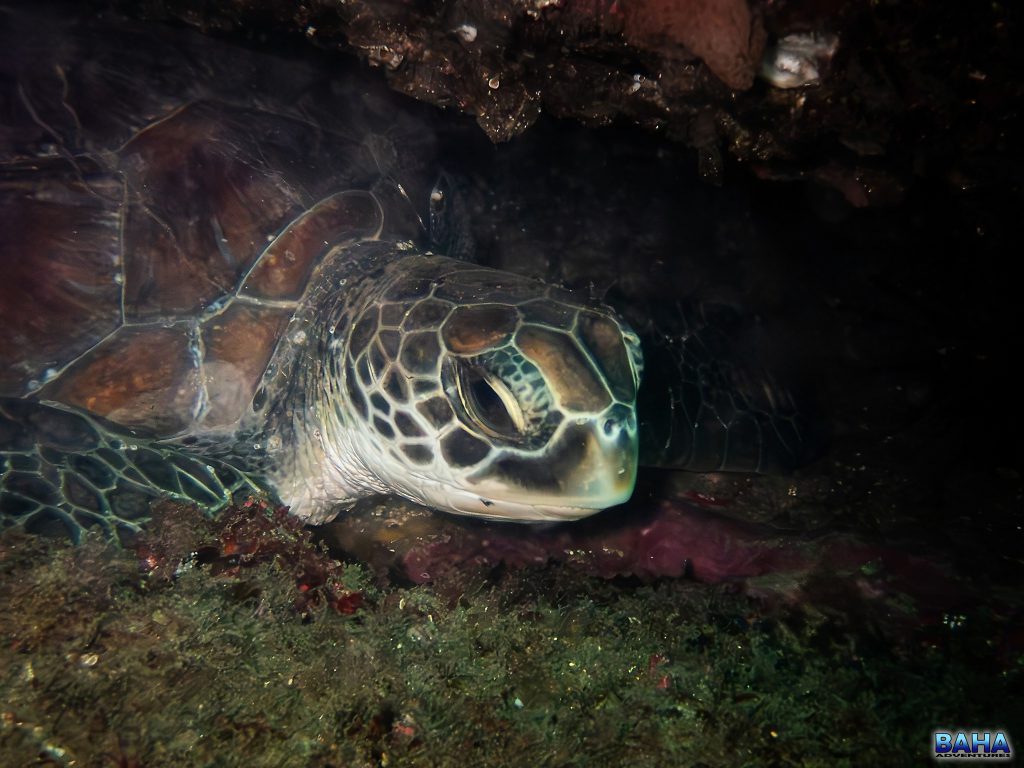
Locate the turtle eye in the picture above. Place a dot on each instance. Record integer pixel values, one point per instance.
(490, 403)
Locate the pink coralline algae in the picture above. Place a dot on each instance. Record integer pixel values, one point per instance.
(675, 541)
(692, 540)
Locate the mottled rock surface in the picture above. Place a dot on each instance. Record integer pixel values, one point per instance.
(903, 89)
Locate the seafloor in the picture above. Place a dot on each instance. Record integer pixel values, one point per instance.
(837, 616)
(542, 665)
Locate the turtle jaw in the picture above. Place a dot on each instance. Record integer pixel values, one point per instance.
(518, 512)
(591, 467)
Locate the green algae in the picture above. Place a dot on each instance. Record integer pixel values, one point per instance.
(101, 664)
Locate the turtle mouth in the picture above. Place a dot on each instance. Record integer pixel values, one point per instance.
(519, 511)
(590, 467)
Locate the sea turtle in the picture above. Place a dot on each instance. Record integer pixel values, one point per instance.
(207, 292)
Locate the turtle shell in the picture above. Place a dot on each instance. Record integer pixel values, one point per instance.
(152, 288)
(153, 253)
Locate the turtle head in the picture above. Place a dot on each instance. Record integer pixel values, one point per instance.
(490, 394)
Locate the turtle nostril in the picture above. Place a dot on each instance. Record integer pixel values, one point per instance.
(618, 420)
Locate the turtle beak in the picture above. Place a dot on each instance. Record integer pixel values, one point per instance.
(591, 466)
(605, 473)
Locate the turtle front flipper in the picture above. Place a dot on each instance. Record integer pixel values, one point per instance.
(705, 407)
(62, 472)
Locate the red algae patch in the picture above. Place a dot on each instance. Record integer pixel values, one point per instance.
(244, 536)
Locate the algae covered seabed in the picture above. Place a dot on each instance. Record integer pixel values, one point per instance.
(234, 644)
(537, 667)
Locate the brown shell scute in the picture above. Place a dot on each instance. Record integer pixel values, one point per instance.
(603, 340)
(568, 372)
(475, 285)
(60, 255)
(141, 377)
(471, 330)
(426, 314)
(420, 352)
(285, 266)
(156, 293)
(198, 211)
(238, 347)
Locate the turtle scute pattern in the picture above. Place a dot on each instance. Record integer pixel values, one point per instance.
(418, 360)
(154, 293)
(63, 472)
